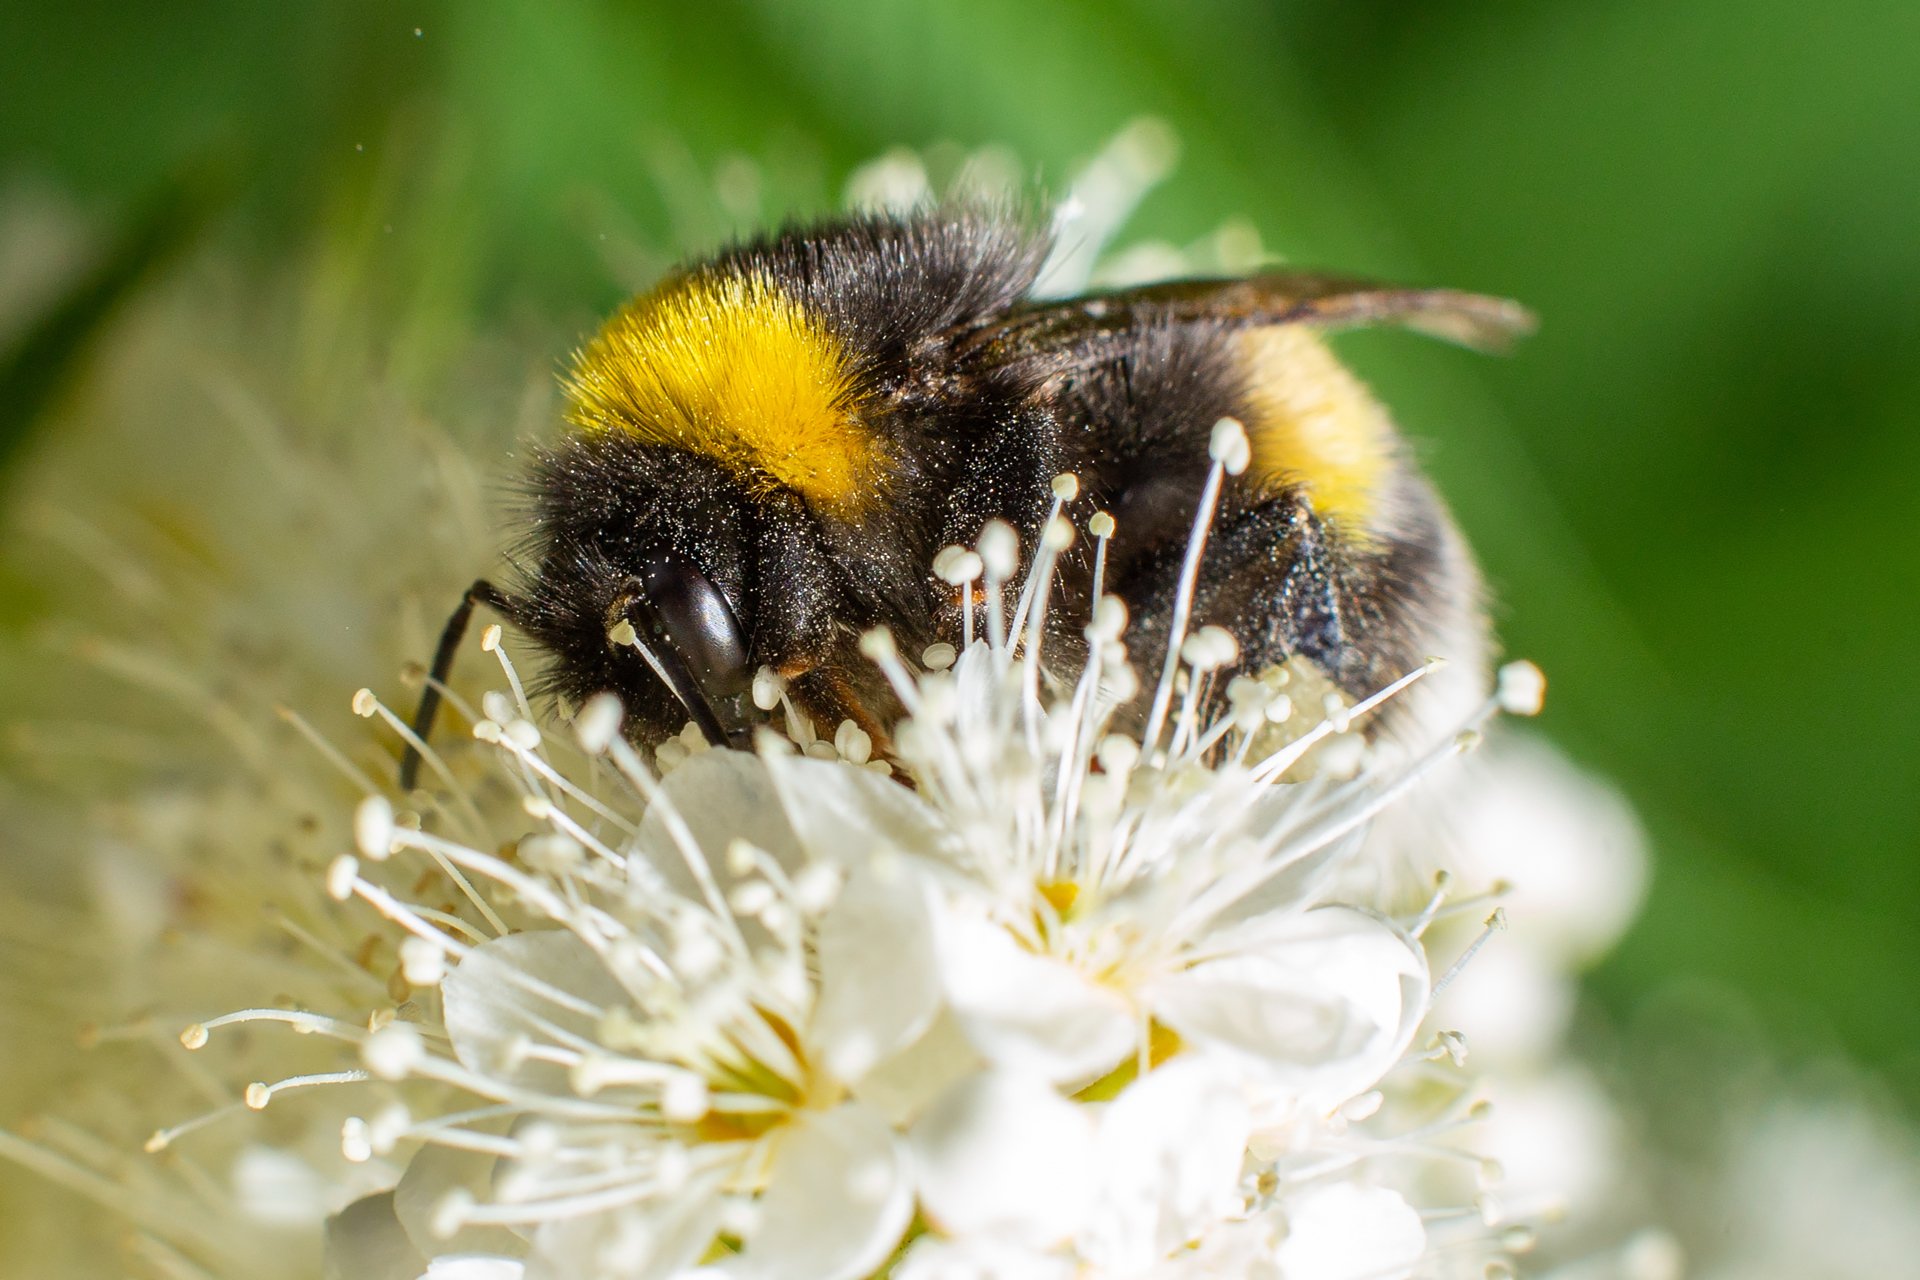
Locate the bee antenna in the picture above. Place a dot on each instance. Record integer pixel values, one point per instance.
(481, 592)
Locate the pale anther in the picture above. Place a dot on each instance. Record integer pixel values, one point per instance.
(373, 827)
(999, 548)
(342, 873)
(767, 688)
(1521, 689)
(598, 722)
(957, 565)
(1228, 446)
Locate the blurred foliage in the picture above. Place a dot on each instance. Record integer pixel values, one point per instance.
(1694, 489)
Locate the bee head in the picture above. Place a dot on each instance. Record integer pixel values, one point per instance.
(638, 582)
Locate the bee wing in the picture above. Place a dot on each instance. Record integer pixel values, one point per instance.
(1078, 332)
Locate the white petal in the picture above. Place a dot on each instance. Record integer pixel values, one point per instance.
(931, 1258)
(721, 796)
(1324, 1006)
(474, 1267)
(836, 1202)
(1299, 881)
(1029, 1012)
(653, 1240)
(1243, 1250)
(435, 1171)
(1243, 1006)
(879, 988)
(1169, 1151)
(1002, 1154)
(546, 987)
(364, 1241)
(846, 815)
(903, 1086)
(1347, 1232)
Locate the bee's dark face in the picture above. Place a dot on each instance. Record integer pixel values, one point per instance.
(770, 449)
(645, 572)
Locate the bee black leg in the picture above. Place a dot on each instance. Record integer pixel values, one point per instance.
(481, 592)
(1298, 606)
(1268, 575)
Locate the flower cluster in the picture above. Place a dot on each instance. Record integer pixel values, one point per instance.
(1079, 1000)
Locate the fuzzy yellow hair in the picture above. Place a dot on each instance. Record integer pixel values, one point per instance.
(733, 369)
(1316, 426)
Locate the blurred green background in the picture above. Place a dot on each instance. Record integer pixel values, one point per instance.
(1696, 490)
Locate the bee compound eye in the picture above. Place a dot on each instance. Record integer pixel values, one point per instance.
(692, 616)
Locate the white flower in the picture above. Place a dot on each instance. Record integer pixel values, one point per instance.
(1077, 998)
(680, 1061)
(1128, 935)
(1349, 1232)
(1011, 1169)
(1002, 1156)
(1088, 891)
(1170, 1154)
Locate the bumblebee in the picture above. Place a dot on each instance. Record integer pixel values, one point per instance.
(767, 451)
